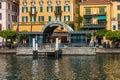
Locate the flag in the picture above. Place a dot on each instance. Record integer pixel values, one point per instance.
(17, 28)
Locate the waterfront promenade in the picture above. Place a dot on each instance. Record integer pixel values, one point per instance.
(65, 51)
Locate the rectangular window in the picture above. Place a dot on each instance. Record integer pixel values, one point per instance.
(58, 9)
(118, 17)
(66, 8)
(24, 9)
(8, 17)
(114, 27)
(0, 5)
(33, 10)
(49, 8)
(49, 18)
(41, 18)
(41, 9)
(67, 18)
(87, 11)
(118, 7)
(0, 16)
(24, 19)
(58, 18)
(118, 27)
(9, 6)
(101, 10)
(32, 18)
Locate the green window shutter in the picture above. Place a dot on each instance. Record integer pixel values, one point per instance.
(31, 9)
(26, 18)
(60, 18)
(68, 18)
(101, 10)
(87, 11)
(68, 8)
(34, 18)
(22, 9)
(39, 18)
(22, 19)
(30, 18)
(51, 8)
(49, 18)
(42, 18)
(64, 18)
(41, 9)
(47, 8)
(26, 9)
(64, 8)
(35, 9)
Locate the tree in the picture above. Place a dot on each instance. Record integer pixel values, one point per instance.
(8, 34)
(101, 33)
(113, 36)
(23, 37)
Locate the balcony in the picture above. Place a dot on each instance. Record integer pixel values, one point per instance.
(32, 12)
(95, 13)
(58, 13)
(95, 24)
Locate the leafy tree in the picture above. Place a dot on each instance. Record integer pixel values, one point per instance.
(23, 37)
(80, 20)
(101, 33)
(113, 36)
(8, 34)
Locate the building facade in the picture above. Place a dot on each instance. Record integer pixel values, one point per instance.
(96, 14)
(34, 14)
(8, 14)
(115, 15)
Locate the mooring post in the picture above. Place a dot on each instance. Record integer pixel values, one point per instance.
(56, 48)
(35, 49)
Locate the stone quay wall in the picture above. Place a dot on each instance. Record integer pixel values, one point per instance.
(79, 51)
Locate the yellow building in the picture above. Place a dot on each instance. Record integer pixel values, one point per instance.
(115, 15)
(96, 15)
(34, 14)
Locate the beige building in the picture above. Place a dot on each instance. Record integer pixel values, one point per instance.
(96, 15)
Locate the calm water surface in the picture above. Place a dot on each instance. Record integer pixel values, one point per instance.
(99, 67)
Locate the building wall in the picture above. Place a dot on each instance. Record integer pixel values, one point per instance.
(95, 12)
(6, 21)
(46, 14)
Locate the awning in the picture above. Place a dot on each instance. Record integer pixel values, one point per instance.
(87, 17)
(101, 17)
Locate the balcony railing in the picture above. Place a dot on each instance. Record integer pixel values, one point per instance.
(95, 13)
(32, 12)
(93, 24)
(58, 13)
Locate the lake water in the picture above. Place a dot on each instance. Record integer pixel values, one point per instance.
(99, 67)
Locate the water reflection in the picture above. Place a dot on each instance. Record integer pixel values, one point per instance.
(99, 67)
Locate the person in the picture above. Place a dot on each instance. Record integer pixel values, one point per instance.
(91, 44)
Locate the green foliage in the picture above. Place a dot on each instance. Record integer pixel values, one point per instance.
(71, 24)
(80, 19)
(113, 35)
(8, 34)
(23, 36)
(101, 33)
